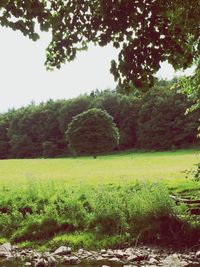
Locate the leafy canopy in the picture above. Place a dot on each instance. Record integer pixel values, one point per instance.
(93, 132)
(146, 32)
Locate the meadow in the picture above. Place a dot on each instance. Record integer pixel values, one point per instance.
(117, 168)
(99, 202)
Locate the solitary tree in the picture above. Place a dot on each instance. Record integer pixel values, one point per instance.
(92, 132)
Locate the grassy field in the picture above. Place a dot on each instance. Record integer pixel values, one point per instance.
(95, 202)
(123, 167)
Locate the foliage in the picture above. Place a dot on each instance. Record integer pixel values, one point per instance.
(194, 172)
(49, 149)
(191, 87)
(39, 130)
(162, 123)
(87, 240)
(145, 32)
(92, 132)
(94, 215)
(124, 110)
(71, 108)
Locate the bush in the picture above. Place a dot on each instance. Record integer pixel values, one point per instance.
(194, 173)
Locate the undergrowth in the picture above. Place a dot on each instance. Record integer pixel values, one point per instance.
(91, 217)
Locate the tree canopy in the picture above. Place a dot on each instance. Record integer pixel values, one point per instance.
(153, 120)
(93, 132)
(146, 32)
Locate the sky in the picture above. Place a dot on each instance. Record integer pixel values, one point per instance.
(24, 79)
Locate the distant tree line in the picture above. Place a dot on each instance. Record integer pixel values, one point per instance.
(154, 120)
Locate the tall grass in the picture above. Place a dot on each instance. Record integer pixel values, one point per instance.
(137, 212)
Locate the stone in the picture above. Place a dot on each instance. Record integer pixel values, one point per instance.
(198, 254)
(24, 253)
(7, 246)
(63, 250)
(46, 255)
(66, 260)
(51, 262)
(74, 260)
(129, 251)
(173, 260)
(152, 261)
(114, 259)
(119, 254)
(105, 255)
(27, 263)
(100, 258)
(132, 258)
(41, 263)
(5, 250)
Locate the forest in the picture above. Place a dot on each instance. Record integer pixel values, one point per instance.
(155, 120)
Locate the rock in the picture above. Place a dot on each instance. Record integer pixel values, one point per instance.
(35, 256)
(46, 255)
(51, 262)
(103, 251)
(114, 259)
(66, 260)
(41, 263)
(7, 246)
(105, 266)
(80, 251)
(5, 250)
(152, 261)
(129, 251)
(27, 263)
(100, 258)
(119, 254)
(106, 255)
(132, 258)
(63, 250)
(110, 253)
(173, 260)
(198, 254)
(24, 253)
(74, 260)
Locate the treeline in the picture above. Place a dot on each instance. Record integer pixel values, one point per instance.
(154, 120)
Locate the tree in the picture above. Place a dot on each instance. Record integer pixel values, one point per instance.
(162, 123)
(124, 111)
(92, 132)
(33, 125)
(4, 140)
(71, 108)
(191, 86)
(146, 32)
(49, 149)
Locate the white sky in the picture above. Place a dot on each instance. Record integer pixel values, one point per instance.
(23, 77)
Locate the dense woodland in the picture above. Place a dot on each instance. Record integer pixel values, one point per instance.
(154, 120)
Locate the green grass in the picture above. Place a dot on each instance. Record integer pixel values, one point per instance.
(123, 167)
(88, 202)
